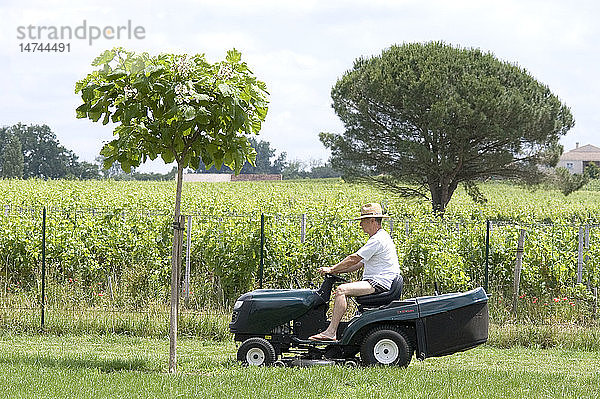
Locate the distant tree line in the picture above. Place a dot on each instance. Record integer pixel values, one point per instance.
(268, 163)
(33, 151)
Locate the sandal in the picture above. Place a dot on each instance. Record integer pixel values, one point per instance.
(321, 337)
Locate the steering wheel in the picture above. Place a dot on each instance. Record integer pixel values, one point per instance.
(336, 278)
(297, 282)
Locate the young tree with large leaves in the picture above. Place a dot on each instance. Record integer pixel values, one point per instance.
(422, 118)
(179, 107)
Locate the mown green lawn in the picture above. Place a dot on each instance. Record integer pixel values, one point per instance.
(34, 366)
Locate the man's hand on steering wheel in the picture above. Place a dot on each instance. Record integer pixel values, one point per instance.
(324, 270)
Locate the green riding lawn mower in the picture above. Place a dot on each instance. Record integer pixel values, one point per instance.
(273, 326)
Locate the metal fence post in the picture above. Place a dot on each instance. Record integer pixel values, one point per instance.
(487, 256)
(43, 299)
(580, 256)
(518, 265)
(586, 246)
(262, 250)
(595, 300)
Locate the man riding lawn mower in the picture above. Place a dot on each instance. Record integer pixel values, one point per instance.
(379, 259)
(385, 330)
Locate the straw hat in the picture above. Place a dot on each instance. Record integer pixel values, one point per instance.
(372, 210)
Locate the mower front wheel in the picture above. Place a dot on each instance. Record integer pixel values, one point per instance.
(386, 346)
(256, 352)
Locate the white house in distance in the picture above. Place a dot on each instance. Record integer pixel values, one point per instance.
(576, 160)
(226, 177)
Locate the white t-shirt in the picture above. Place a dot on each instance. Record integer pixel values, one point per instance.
(380, 259)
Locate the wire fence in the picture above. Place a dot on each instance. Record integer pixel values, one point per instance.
(112, 266)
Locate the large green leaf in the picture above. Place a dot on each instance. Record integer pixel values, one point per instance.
(106, 87)
(104, 58)
(82, 110)
(88, 93)
(95, 116)
(167, 156)
(97, 106)
(154, 70)
(233, 56)
(116, 74)
(125, 165)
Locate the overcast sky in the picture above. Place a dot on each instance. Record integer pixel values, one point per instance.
(299, 48)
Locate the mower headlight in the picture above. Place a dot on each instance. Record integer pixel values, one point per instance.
(238, 304)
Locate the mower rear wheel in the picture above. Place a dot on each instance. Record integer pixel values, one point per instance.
(386, 346)
(256, 352)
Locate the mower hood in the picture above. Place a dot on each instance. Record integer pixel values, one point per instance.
(260, 311)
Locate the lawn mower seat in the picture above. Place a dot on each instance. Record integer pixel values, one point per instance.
(383, 298)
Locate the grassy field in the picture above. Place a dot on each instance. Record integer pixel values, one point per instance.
(117, 366)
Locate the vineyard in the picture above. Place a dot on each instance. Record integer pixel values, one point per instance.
(108, 243)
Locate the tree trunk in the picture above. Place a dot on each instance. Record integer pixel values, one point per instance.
(175, 267)
(441, 192)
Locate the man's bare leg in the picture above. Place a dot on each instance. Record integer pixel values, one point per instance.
(340, 304)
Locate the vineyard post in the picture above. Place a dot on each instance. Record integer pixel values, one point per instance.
(518, 264)
(110, 289)
(595, 300)
(188, 253)
(262, 249)
(303, 228)
(391, 227)
(580, 256)
(175, 273)
(586, 244)
(43, 302)
(487, 256)
(180, 246)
